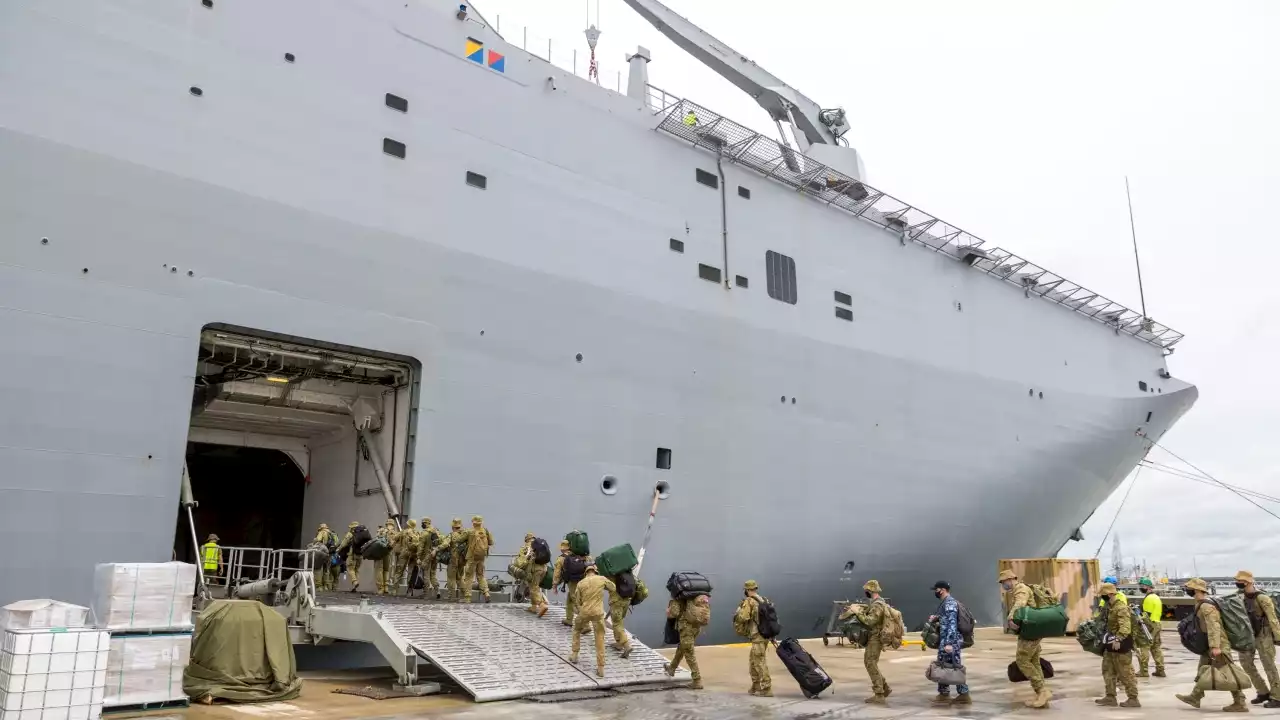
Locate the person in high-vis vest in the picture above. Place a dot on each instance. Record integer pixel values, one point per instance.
(211, 558)
(1153, 610)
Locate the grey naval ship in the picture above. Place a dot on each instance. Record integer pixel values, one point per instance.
(342, 259)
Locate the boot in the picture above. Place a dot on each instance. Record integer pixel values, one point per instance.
(1272, 703)
(486, 599)
(626, 652)
(696, 684)
(1237, 706)
(543, 611)
(1106, 701)
(887, 690)
(600, 671)
(876, 699)
(1159, 673)
(574, 658)
(668, 669)
(941, 699)
(766, 693)
(566, 623)
(1131, 703)
(962, 699)
(1041, 700)
(1190, 700)
(754, 690)
(1144, 673)
(1261, 698)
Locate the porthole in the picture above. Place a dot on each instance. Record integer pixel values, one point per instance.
(664, 490)
(609, 485)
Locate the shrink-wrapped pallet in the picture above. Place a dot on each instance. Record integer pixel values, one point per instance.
(143, 596)
(53, 674)
(146, 669)
(37, 614)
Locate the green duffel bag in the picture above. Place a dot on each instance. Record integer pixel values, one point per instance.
(616, 560)
(1041, 623)
(855, 632)
(579, 544)
(1089, 635)
(931, 634)
(376, 549)
(546, 579)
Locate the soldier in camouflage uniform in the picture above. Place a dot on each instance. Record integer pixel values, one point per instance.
(327, 577)
(405, 546)
(353, 555)
(690, 616)
(537, 600)
(1209, 620)
(746, 620)
(618, 607)
(873, 617)
(590, 601)
(1028, 655)
(520, 564)
(382, 568)
(478, 544)
(428, 565)
(1266, 627)
(1117, 665)
(570, 602)
(456, 545)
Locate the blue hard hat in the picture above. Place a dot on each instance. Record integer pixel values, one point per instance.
(1110, 579)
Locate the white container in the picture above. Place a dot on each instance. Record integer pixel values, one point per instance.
(146, 668)
(32, 614)
(143, 596)
(33, 688)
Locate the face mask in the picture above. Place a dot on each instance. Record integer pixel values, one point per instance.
(1007, 586)
(1239, 586)
(1190, 592)
(937, 594)
(867, 593)
(746, 593)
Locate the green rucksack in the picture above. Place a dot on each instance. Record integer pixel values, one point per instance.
(1089, 634)
(579, 544)
(642, 592)
(547, 577)
(1235, 621)
(1043, 597)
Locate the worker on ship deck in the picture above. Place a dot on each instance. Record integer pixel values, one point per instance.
(211, 559)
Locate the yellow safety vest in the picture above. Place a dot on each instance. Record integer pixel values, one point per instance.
(1153, 606)
(690, 119)
(211, 554)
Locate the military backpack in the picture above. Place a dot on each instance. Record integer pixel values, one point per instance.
(1235, 621)
(574, 568)
(892, 629)
(540, 551)
(479, 543)
(1043, 597)
(697, 612)
(767, 619)
(642, 592)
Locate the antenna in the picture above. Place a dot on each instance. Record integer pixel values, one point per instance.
(1134, 233)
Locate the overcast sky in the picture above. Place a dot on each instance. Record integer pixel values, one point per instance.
(1018, 122)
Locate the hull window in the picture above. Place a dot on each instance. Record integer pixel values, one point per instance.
(844, 314)
(740, 281)
(664, 459)
(395, 102)
(706, 272)
(781, 277)
(744, 192)
(393, 147)
(476, 180)
(708, 179)
(677, 245)
(843, 298)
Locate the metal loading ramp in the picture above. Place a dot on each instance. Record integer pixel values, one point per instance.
(502, 651)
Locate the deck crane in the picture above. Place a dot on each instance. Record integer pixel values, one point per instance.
(818, 132)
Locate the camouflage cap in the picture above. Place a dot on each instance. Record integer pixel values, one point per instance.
(529, 536)
(1007, 575)
(426, 521)
(476, 519)
(872, 586)
(750, 585)
(1145, 582)
(1106, 589)
(353, 525)
(457, 522)
(324, 526)
(1196, 584)
(411, 523)
(591, 568)
(564, 544)
(1244, 576)
(213, 538)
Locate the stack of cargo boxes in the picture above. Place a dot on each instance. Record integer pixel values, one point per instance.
(146, 607)
(51, 666)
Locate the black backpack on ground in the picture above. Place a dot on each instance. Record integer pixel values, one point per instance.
(767, 619)
(686, 585)
(807, 672)
(1016, 675)
(626, 584)
(1193, 638)
(541, 551)
(574, 569)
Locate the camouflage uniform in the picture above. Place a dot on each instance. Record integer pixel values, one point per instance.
(537, 599)
(570, 601)
(353, 556)
(456, 545)
(689, 629)
(1118, 666)
(405, 546)
(748, 618)
(326, 577)
(382, 568)
(427, 563)
(478, 545)
(520, 565)
(1262, 615)
(618, 607)
(1156, 651)
(590, 591)
(1028, 655)
(873, 618)
(1210, 623)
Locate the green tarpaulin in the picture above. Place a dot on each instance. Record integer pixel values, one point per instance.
(241, 653)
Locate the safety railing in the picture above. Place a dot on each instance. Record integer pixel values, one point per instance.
(740, 145)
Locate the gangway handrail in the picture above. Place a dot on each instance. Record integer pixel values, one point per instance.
(740, 145)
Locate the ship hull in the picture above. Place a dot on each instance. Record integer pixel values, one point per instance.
(559, 340)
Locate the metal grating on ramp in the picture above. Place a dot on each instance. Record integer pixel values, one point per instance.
(501, 651)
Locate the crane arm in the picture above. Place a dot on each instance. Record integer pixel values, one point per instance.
(783, 102)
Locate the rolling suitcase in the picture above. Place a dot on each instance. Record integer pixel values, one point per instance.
(807, 672)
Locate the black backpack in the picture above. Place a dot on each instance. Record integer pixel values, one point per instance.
(767, 619)
(541, 551)
(1193, 638)
(331, 542)
(964, 623)
(359, 536)
(575, 568)
(626, 584)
